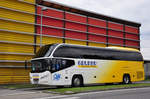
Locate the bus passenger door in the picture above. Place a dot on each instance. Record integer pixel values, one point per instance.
(67, 65)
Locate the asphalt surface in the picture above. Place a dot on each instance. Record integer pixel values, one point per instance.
(37, 93)
(22, 94)
(134, 93)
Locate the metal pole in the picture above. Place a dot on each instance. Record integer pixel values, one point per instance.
(41, 30)
(41, 27)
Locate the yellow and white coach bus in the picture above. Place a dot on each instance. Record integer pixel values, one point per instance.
(65, 64)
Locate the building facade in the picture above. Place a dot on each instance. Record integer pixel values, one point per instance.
(147, 69)
(25, 25)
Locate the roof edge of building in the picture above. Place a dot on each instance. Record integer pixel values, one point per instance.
(61, 6)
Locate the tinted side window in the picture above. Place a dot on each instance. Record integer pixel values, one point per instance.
(126, 55)
(68, 52)
(45, 51)
(42, 51)
(108, 54)
(59, 64)
(96, 53)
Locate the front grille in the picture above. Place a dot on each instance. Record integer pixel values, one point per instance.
(35, 80)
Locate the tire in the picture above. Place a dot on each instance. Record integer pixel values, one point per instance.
(108, 83)
(126, 79)
(60, 86)
(77, 81)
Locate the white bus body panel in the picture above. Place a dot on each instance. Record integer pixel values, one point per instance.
(41, 78)
(64, 77)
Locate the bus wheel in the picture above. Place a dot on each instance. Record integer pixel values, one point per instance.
(77, 81)
(60, 86)
(126, 79)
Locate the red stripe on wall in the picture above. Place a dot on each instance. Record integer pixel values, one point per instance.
(50, 21)
(97, 22)
(81, 27)
(115, 40)
(97, 30)
(50, 31)
(115, 33)
(38, 10)
(131, 29)
(132, 43)
(132, 36)
(50, 12)
(74, 17)
(97, 38)
(76, 35)
(75, 26)
(115, 26)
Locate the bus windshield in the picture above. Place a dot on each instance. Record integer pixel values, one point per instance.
(45, 51)
(50, 64)
(40, 65)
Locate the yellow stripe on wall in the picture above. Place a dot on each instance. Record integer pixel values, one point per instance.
(6, 72)
(7, 22)
(15, 57)
(21, 79)
(8, 14)
(14, 75)
(13, 64)
(14, 71)
(37, 48)
(16, 48)
(15, 4)
(97, 44)
(75, 42)
(49, 40)
(24, 72)
(30, 1)
(5, 79)
(8, 36)
(9, 25)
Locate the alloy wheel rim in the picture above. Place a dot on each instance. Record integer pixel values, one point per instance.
(77, 81)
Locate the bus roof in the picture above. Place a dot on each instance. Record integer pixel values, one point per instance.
(124, 48)
(111, 47)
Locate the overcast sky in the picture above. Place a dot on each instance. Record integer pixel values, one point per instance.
(133, 10)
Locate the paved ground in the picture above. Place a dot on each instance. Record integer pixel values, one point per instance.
(135, 93)
(21, 94)
(142, 82)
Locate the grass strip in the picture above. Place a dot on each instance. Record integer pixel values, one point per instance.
(96, 88)
(147, 80)
(20, 86)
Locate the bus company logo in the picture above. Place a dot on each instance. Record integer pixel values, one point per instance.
(35, 76)
(56, 76)
(87, 64)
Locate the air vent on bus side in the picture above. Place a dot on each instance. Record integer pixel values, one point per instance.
(139, 74)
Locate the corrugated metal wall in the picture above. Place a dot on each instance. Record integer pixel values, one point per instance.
(16, 39)
(22, 31)
(84, 30)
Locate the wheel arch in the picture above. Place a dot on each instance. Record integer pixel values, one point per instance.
(78, 75)
(128, 75)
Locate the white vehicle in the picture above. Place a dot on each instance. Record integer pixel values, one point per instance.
(65, 64)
